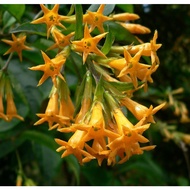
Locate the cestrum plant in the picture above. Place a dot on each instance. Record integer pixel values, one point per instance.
(112, 73)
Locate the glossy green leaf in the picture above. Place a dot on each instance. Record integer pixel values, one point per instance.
(17, 10)
(108, 42)
(39, 29)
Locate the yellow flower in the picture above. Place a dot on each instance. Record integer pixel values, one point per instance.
(60, 40)
(154, 48)
(147, 47)
(97, 151)
(136, 28)
(140, 111)
(125, 17)
(130, 66)
(50, 18)
(51, 114)
(88, 44)
(51, 68)
(75, 146)
(2, 115)
(17, 45)
(11, 109)
(127, 143)
(96, 19)
(95, 128)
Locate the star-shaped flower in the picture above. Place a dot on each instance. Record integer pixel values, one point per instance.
(17, 45)
(75, 146)
(11, 109)
(51, 68)
(51, 114)
(148, 48)
(88, 44)
(50, 18)
(60, 40)
(96, 19)
(129, 138)
(133, 67)
(140, 111)
(95, 129)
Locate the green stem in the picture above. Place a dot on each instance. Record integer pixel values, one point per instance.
(79, 21)
(7, 63)
(19, 162)
(93, 70)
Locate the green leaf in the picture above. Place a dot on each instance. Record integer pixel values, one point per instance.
(40, 138)
(126, 7)
(39, 29)
(108, 42)
(79, 21)
(8, 19)
(96, 175)
(49, 161)
(9, 146)
(74, 167)
(16, 10)
(124, 37)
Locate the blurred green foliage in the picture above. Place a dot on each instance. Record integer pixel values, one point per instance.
(168, 164)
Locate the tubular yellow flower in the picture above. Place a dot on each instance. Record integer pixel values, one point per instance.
(96, 19)
(136, 28)
(125, 17)
(75, 146)
(2, 115)
(118, 64)
(95, 129)
(50, 18)
(17, 45)
(2, 83)
(97, 151)
(148, 47)
(11, 109)
(127, 143)
(60, 40)
(51, 68)
(140, 111)
(132, 67)
(51, 114)
(88, 44)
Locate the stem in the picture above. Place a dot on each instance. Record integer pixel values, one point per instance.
(7, 63)
(19, 162)
(92, 69)
(38, 15)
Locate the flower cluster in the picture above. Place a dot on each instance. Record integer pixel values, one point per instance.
(96, 120)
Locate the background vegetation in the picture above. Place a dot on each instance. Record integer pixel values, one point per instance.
(168, 164)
